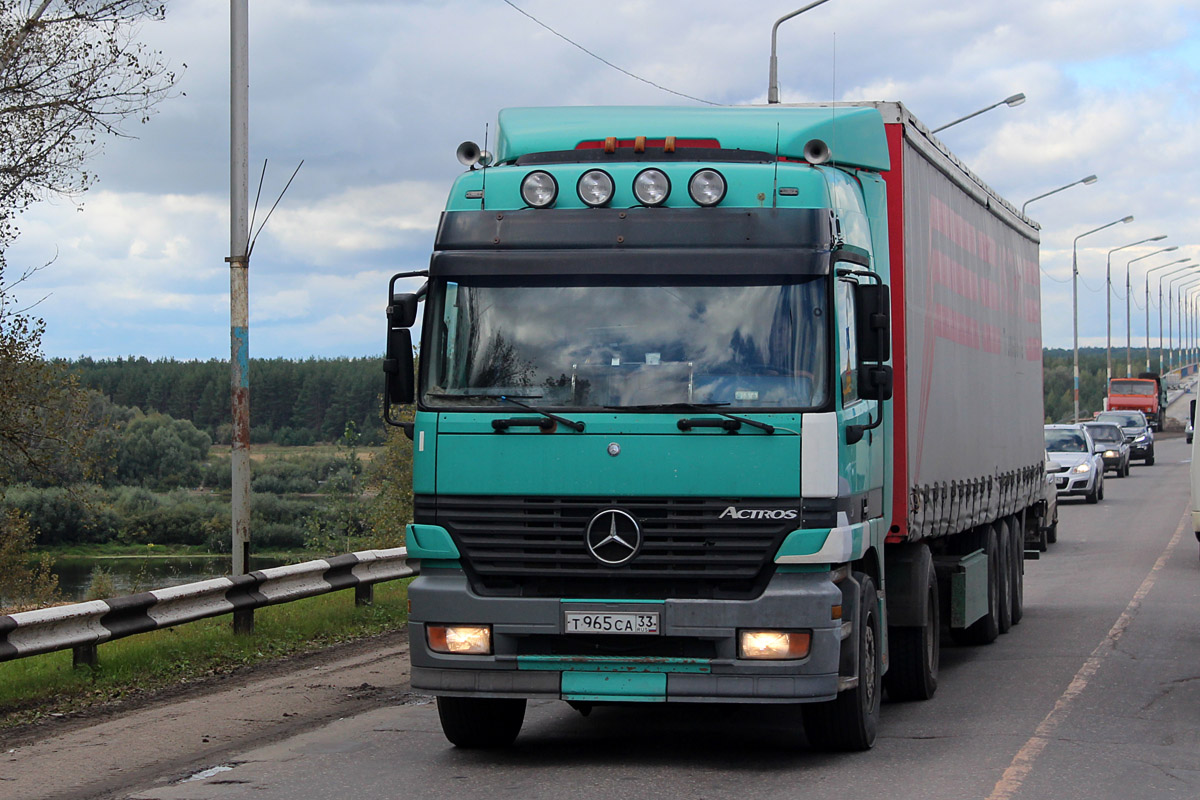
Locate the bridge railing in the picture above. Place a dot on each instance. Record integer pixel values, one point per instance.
(81, 627)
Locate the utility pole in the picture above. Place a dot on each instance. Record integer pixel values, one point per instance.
(239, 291)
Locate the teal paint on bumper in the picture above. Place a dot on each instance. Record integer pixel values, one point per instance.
(645, 687)
(430, 541)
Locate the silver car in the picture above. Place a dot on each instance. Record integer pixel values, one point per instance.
(1071, 447)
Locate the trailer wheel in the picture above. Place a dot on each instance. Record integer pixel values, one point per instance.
(849, 721)
(1004, 609)
(1017, 567)
(985, 629)
(914, 652)
(481, 722)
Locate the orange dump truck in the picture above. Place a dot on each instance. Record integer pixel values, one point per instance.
(1143, 393)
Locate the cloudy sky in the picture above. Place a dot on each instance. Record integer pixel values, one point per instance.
(374, 96)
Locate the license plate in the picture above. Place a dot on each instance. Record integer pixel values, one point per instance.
(611, 622)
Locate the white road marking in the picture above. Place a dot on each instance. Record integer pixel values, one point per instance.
(1022, 764)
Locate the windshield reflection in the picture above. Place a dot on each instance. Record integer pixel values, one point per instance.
(594, 346)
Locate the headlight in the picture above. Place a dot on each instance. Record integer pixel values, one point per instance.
(1084, 467)
(774, 645)
(1142, 439)
(707, 187)
(539, 189)
(463, 640)
(651, 187)
(595, 188)
(1110, 453)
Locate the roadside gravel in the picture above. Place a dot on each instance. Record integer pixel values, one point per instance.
(176, 732)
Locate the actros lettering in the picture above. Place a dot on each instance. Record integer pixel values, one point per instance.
(733, 512)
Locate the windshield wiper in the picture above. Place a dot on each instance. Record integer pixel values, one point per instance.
(709, 408)
(511, 398)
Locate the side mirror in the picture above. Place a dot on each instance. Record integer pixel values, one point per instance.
(398, 365)
(873, 312)
(875, 382)
(402, 311)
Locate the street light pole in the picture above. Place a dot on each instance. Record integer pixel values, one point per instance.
(1108, 301)
(1010, 101)
(1156, 269)
(239, 314)
(773, 84)
(1128, 326)
(1090, 179)
(1160, 309)
(1075, 297)
(1172, 361)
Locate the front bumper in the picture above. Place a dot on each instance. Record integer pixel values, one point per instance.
(1073, 483)
(694, 658)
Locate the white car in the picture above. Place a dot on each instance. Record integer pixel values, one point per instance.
(1072, 448)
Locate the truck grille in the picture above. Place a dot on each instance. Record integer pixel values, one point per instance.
(535, 546)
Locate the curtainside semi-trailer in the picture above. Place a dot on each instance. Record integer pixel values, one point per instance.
(735, 405)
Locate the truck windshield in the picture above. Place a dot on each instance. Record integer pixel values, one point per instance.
(1131, 387)
(598, 345)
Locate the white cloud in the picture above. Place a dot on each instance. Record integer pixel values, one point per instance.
(374, 96)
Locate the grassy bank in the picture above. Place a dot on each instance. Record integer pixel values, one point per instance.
(32, 688)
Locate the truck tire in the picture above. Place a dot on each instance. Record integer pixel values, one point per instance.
(914, 652)
(849, 721)
(985, 629)
(1017, 566)
(481, 722)
(1004, 540)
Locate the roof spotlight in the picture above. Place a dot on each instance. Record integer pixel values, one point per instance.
(539, 189)
(651, 187)
(707, 187)
(595, 188)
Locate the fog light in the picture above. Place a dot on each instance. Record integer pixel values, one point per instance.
(595, 188)
(651, 187)
(774, 645)
(539, 189)
(707, 187)
(463, 640)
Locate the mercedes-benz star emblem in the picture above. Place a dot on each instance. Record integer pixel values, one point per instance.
(613, 537)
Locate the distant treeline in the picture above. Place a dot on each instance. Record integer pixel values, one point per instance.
(291, 402)
(302, 402)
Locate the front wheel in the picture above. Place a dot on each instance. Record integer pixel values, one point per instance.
(913, 653)
(1093, 496)
(849, 721)
(481, 722)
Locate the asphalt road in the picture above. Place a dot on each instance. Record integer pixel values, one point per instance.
(1096, 694)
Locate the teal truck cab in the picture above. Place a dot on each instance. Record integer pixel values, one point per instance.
(656, 457)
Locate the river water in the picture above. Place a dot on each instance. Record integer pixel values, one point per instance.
(141, 573)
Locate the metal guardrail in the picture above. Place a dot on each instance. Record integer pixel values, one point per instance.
(83, 626)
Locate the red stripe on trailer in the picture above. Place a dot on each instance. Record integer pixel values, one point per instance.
(894, 182)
